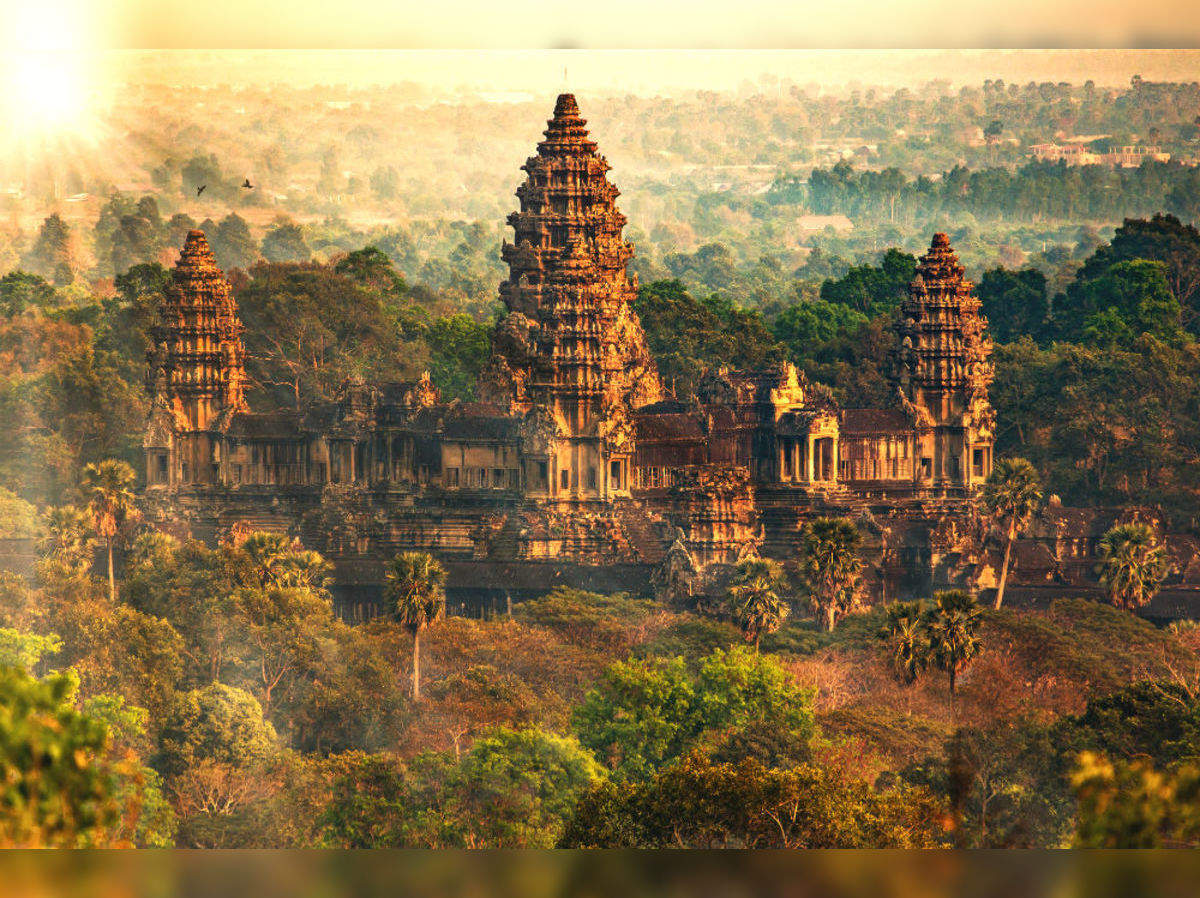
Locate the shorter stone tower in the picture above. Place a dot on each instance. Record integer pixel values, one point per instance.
(196, 370)
(943, 371)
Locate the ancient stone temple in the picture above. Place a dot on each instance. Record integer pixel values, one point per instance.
(575, 470)
(571, 348)
(944, 370)
(938, 439)
(196, 372)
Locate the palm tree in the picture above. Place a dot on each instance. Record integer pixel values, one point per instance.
(303, 569)
(68, 536)
(1133, 564)
(108, 486)
(275, 561)
(830, 566)
(416, 597)
(754, 602)
(908, 642)
(265, 551)
(1011, 495)
(951, 624)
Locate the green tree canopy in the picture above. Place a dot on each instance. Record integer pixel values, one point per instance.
(51, 254)
(643, 715)
(873, 290)
(804, 326)
(1016, 304)
(1127, 300)
(688, 335)
(18, 519)
(461, 348)
(519, 787)
(369, 803)
(285, 242)
(700, 804)
(1161, 238)
(57, 786)
(20, 290)
(1130, 804)
(25, 650)
(218, 723)
(309, 329)
(232, 243)
(371, 267)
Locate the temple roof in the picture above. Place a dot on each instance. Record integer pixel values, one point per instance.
(874, 420)
(480, 421)
(666, 406)
(565, 106)
(196, 260)
(939, 266)
(280, 425)
(566, 133)
(668, 426)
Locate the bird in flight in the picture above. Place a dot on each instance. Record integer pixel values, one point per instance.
(246, 183)
(200, 189)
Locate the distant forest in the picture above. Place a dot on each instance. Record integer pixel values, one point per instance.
(752, 175)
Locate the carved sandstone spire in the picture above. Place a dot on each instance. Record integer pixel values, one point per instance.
(571, 342)
(945, 353)
(197, 363)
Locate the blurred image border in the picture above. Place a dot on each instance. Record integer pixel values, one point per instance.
(620, 874)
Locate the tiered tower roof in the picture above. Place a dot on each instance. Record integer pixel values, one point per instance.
(945, 352)
(198, 361)
(572, 340)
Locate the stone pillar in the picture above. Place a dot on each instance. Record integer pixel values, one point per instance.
(809, 463)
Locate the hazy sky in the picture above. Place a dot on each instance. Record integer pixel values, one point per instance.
(59, 59)
(543, 24)
(647, 72)
(656, 23)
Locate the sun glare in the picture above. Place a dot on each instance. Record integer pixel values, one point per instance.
(46, 71)
(45, 93)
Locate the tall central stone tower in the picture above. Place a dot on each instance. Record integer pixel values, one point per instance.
(944, 369)
(196, 369)
(571, 351)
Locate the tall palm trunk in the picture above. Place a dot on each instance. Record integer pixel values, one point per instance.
(112, 581)
(1012, 535)
(416, 684)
